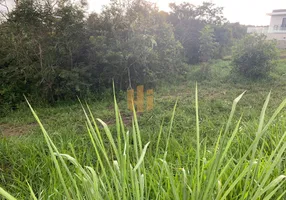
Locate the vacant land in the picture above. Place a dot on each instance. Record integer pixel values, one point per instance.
(25, 157)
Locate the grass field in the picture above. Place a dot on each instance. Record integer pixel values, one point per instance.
(195, 151)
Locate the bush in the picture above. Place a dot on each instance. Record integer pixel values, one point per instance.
(254, 56)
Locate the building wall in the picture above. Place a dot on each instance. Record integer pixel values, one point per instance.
(279, 37)
(276, 36)
(276, 21)
(281, 44)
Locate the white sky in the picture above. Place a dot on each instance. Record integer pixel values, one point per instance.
(249, 12)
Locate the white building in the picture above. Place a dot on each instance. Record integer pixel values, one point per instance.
(277, 28)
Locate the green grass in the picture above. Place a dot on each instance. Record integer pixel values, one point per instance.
(209, 148)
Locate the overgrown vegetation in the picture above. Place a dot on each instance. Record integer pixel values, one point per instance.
(240, 161)
(254, 56)
(207, 147)
(54, 50)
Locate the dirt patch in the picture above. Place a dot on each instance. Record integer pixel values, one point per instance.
(126, 118)
(176, 95)
(214, 95)
(8, 130)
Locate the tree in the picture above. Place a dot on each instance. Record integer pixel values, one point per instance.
(208, 45)
(4, 10)
(254, 56)
(139, 45)
(207, 50)
(210, 14)
(223, 37)
(53, 50)
(189, 20)
(238, 31)
(44, 52)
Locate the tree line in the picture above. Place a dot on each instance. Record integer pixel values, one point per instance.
(55, 50)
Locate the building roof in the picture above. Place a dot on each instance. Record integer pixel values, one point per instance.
(277, 12)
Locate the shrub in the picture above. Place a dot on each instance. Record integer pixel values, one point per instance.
(253, 56)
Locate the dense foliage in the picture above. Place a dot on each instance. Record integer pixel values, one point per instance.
(189, 22)
(253, 56)
(55, 50)
(208, 45)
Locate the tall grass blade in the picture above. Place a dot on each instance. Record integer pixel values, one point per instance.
(172, 181)
(234, 182)
(254, 149)
(158, 140)
(271, 168)
(6, 194)
(250, 149)
(171, 126)
(32, 192)
(272, 193)
(110, 138)
(141, 159)
(213, 170)
(136, 126)
(118, 125)
(277, 111)
(273, 184)
(48, 141)
(234, 104)
(198, 158)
